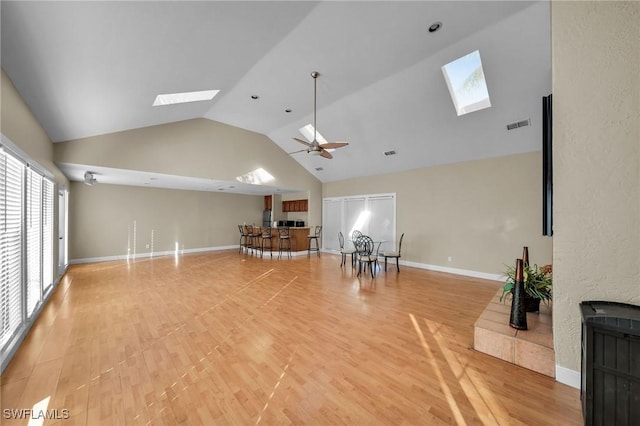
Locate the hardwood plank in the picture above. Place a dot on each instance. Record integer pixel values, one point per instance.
(228, 338)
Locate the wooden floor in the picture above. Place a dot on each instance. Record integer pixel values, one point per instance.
(228, 338)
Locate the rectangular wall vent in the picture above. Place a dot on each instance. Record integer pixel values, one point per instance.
(519, 124)
(387, 153)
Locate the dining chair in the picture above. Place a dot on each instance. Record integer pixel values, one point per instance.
(345, 251)
(354, 237)
(365, 247)
(394, 254)
(314, 237)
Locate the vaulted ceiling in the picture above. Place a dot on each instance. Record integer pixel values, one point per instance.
(91, 68)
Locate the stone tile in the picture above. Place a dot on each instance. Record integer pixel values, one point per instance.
(535, 357)
(497, 327)
(495, 344)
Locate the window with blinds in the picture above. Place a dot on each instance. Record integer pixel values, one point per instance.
(34, 240)
(373, 215)
(47, 235)
(11, 245)
(26, 245)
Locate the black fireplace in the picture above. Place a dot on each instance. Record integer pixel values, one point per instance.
(610, 385)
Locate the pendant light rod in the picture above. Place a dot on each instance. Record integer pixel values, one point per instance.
(315, 75)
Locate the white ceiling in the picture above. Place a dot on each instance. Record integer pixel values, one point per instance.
(90, 68)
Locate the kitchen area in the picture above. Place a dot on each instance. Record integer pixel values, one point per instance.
(288, 210)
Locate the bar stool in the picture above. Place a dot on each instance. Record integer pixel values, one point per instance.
(284, 243)
(265, 235)
(252, 238)
(244, 236)
(314, 237)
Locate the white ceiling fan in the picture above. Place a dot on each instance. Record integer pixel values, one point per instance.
(314, 147)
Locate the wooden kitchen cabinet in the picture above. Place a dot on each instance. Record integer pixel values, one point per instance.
(295, 206)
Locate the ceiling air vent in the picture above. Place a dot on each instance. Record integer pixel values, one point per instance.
(388, 153)
(519, 124)
(319, 169)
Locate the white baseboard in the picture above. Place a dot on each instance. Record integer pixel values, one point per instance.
(568, 377)
(437, 268)
(456, 271)
(138, 256)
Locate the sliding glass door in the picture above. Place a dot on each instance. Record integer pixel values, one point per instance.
(373, 215)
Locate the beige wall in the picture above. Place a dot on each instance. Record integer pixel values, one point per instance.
(479, 213)
(23, 130)
(103, 218)
(596, 95)
(198, 148)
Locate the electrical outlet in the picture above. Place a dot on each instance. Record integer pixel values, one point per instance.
(147, 246)
(450, 258)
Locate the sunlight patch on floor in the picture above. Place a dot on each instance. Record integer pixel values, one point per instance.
(482, 402)
(445, 388)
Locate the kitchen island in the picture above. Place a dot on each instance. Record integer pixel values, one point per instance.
(298, 236)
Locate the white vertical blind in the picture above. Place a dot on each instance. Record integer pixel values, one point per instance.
(355, 216)
(34, 240)
(373, 215)
(11, 243)
(331, 223)
(382, 220)
(47, 234)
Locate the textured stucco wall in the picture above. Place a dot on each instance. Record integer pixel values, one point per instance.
(596, 92)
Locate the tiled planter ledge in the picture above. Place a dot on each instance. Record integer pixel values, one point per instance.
(532, 349)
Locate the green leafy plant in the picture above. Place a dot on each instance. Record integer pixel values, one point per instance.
(538, 282)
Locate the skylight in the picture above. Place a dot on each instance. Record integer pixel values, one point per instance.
(256, 177)
(307, 132)
(180, 98)
(466, 83)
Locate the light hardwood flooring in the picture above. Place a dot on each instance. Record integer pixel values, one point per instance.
(228, 338)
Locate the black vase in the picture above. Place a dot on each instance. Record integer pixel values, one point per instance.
(525, 256)
(518, 318)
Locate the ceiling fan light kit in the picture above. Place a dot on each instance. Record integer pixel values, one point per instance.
(315, 148)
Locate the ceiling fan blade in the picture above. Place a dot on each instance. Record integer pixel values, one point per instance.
(296, 152)
(302, 142)
(334, 145)
(326, 154)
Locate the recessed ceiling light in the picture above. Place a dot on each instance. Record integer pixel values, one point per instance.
(435, 27)
(254, 97)
(180, 98)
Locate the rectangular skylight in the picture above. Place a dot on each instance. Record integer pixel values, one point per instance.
(308, 132)
(256, 177)
(180, 98)
(466, 83)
